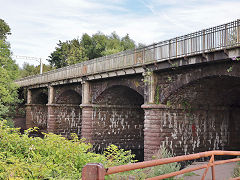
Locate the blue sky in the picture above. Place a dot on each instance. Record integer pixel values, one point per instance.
(38, 25)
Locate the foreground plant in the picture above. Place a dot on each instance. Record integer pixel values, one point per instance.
(53, 157)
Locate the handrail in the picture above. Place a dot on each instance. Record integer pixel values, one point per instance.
(207, 40)
(97, 171)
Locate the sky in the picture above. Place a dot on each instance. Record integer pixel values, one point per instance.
(38, 25)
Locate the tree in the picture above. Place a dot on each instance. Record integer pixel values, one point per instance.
(8, 73)
(127, 43)
(88, 47)
(4, 29)
(30, 70)
(67, 53)
(27, 70)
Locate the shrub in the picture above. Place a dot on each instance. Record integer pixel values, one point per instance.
(140, 174)
(165, 168)
(236, 172)
(53, 157)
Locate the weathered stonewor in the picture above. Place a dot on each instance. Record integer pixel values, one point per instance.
(121, 125)
(184, 133)
(234, 128)
(64, 119)
(36, 116)
(87, 122)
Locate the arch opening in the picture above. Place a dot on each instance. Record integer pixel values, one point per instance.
(209, 115)
(38, 111)
(119, 120)
(68, 113)
(69, 97)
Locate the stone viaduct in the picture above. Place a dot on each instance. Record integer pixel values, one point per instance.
(183, 93)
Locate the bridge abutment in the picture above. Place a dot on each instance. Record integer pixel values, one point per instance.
(184, 132)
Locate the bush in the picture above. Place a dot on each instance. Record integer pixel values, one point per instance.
(53, 157)
(140, 174)
(236, 172)
(165, 168)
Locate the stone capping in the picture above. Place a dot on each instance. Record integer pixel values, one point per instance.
(35, 104)
(110, 106)
(60, 105)
(155, 106)
(163, 106)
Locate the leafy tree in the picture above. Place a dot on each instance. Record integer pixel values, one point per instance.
(127, 43)
(88, 47)
(8, 73)
(67, 53)
(29, 70)
(4, 29)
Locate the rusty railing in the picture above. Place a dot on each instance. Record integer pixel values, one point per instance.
(204, 41)
(98, 172)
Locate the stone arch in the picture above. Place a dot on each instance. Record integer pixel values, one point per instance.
(133, 82)
(67, 111)
(197, 75)
(119, 95)
(69, 96)
(119, 119)
(204, 108)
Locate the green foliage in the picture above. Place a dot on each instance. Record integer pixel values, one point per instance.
(53, 157)
(118, 156)
(236, 172)
(4, 30)
(165, 168)
(29, 70)
(88, 47)
(8, 73)
(67, 53)
(229, 69)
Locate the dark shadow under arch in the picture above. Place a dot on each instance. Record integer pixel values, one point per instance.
(69, 97)
(119, 95)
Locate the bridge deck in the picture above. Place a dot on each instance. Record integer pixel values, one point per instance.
(132, 61)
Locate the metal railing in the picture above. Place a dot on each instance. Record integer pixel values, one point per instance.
(98, 172)
(207, 40)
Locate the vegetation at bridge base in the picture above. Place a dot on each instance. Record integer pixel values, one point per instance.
(236, 172)
(141, 174)
(55, 157)
(8, 73)
(52, 157)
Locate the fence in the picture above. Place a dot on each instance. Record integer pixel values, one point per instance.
(207, 40)
(98, 172)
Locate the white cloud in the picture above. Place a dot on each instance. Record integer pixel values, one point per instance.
(38, 25)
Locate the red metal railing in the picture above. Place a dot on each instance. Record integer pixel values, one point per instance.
(98, 172)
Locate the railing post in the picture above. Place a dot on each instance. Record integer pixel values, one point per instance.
(176, 46)
(154, 52)
(226, 35)
(143, 56)
(238, 24)
(209, 164)
(169, 49)
(203, 41)
(213, 169)
(93, 171)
